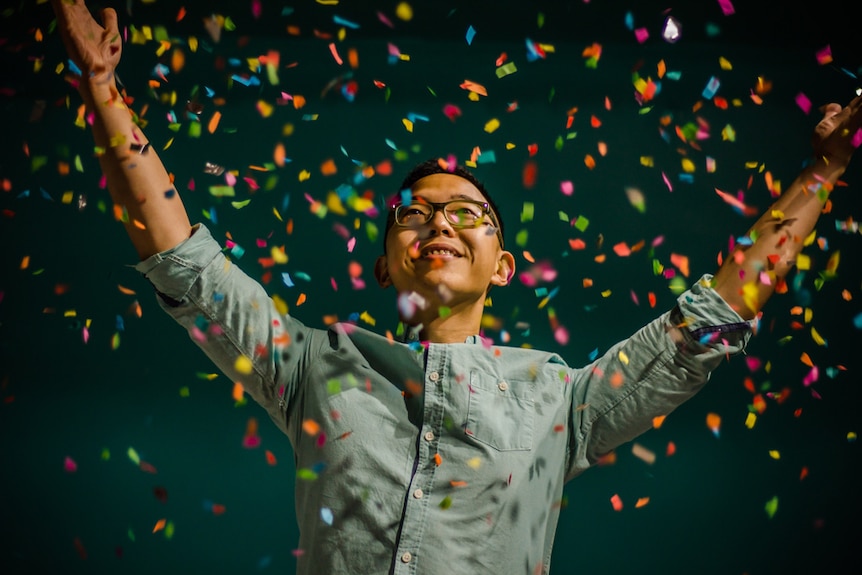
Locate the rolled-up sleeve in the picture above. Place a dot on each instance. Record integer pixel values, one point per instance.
(651, 373)
(231, 318)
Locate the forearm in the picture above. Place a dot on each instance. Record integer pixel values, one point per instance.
(142, 191)
(751, 273)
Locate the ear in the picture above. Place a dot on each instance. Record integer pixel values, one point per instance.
(381, 272)
(505, 269)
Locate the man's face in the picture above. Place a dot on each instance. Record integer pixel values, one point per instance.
(446, 264)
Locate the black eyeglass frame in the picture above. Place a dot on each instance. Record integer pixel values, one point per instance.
(441, 206)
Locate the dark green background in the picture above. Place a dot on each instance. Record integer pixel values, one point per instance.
(706, 513)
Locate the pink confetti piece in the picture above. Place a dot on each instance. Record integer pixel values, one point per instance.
(726, 7)
(803, 102)
(617, 502)
(753, 363)
(641, 35)
(856, 141)
(567, 188)
(824, 55)
(69, 465)
(667, 182)
(811, 377)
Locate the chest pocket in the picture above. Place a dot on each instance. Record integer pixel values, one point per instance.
(501, 413)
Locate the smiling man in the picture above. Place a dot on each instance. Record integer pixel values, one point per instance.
(437, 453)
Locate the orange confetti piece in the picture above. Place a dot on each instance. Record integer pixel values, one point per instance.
(595, 122)
(616, 380)
(642, 502)
(651, 298)
(806, 359)
(353, 58)
(160, 524)
(328, 168)
(622, 249)
(437, 459)
(125, 290)
(577, 244)
(213, 123)
(301, 299)
(681, 262)
(589, 161)
(270, 457)
(279, 155)
(311, 427)
(657, 421)
(237, 391)
(334, 51)
(713, 422)
(671, 448)
(474, 87)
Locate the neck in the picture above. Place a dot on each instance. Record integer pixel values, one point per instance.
(449, 325)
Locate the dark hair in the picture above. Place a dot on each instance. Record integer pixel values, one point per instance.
(440, 166)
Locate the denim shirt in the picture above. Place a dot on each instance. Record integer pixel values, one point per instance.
(427, 458)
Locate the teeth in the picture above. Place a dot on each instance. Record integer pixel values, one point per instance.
(439, 253)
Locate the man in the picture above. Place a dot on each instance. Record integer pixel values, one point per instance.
(437, 453)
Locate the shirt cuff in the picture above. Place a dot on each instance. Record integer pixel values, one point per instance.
(710, 321)
(173, 272)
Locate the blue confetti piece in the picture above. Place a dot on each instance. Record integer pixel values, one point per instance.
(326, 515)
(391, 144)
(471, 33)
(24, 194)
(285, 277)
(342, 22)
(73, 68)
(541, 292)
(45, 194)
(593, 354)
(209, 92)
(857, 321)
(630, 21)
(218, 297)
(686, 178)
(413, 117)
(711, 88)
(287, 11)
(487, 157)
(264, 562)
(119, 323)
(302, 276)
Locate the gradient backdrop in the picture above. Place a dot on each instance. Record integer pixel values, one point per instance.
(121, 447)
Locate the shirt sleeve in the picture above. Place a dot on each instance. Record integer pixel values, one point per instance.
(232, 319)
(650, 374)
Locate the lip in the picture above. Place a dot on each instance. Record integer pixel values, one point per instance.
(425, 252)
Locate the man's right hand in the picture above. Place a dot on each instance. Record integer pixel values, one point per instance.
(94, 48)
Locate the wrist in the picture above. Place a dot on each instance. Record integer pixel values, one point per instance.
(826, 169)
(97, 89)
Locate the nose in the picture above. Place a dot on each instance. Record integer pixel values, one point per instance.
(439, 224)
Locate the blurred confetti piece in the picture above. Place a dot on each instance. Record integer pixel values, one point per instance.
(251, 438)
(133, 456)
(69, 465)
(160, 524)
(617, 502)
(771, 507)
(803, 102)
(326, 515)
(643, 453)
(642, 502)
(270, 457)
(713, 422)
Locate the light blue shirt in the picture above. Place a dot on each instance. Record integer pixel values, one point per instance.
(434, 458)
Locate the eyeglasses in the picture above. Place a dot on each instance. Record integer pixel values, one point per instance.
(459, 213)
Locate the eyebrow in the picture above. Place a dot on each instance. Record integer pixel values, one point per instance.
(455, 197)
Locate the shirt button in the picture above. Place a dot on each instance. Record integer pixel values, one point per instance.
(434, 376)
(429, 436)
(503, 386)
(418, 494)
(406, 557)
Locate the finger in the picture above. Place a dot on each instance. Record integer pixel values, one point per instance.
(109, 22)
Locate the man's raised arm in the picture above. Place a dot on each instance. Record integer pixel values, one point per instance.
(750, 273)
(140, 187)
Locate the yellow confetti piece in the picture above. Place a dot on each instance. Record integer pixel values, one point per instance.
(803, 262)
(623, 357)
(750, 420)
(774, 454)
(304, 175)
(278, 255)
(280, 304)
(242, 365)
(818, 339)
(474, 462)
(492, 125)
(407, 124)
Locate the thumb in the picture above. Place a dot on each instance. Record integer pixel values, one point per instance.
(109, 21)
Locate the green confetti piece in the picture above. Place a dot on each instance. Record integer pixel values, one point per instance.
(371, 231)
(506, 69)
(446, 503)
(540, 19)
(38, 162)
(222, 191)
(133, 456)
(527, 212)
(229, 24)
(582, 223)
(564, 217)
(444, 311)
(79, 166)
(195, 130)
(333, 386)
(184, 391)
(169, 530)
(106, 454)
(306, 474)
(521, 238)
(240, 205)
(771, 507)
(677, 285)
(558, 143)
(131, 535)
